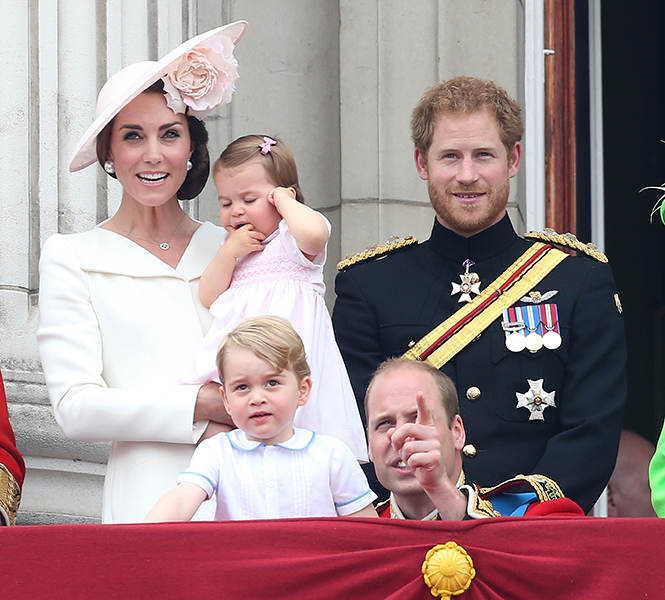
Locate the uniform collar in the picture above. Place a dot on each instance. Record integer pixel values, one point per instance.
(300, 439)
(482, 246)
(396, 511)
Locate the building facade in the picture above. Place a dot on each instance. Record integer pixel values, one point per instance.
(336, 79)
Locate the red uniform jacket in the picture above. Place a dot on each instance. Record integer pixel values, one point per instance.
(12, 467)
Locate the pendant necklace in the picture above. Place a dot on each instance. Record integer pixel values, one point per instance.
(163, 245)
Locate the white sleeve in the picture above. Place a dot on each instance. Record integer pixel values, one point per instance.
(204, 468)
(348, 483)
(70, 347)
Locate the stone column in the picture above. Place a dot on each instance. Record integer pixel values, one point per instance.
(56, 56)
(336, 79)
(289, 88)
(389, 54)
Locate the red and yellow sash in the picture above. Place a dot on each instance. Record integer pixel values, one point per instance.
(448, 338)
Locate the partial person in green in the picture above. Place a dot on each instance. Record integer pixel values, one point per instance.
(657, 465)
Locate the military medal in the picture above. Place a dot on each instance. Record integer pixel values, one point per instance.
(536, 400)
(513, 325)
(534, 341)
(549, 315)
(470, 283)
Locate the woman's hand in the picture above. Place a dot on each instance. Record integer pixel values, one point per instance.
(214, 428)
(209, 405)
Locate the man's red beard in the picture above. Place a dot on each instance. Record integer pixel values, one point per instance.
(469, 219)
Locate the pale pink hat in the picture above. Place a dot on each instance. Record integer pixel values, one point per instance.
(198, 75)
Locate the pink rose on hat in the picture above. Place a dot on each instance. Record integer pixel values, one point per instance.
(198, 75)
(203, 78)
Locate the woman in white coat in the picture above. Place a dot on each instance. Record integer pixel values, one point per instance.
(119, 307)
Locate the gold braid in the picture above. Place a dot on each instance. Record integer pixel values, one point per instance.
(544, 487)
(567, 240)
(10, 494)
(373, 251)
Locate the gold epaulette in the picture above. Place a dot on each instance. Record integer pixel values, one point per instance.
(544, 487)
(10, 494)
(568, 240)
(374, 251)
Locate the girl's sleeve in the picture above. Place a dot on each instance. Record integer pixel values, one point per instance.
(291, 247)
(70, 348)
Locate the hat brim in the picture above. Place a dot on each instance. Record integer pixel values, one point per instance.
(85, 152)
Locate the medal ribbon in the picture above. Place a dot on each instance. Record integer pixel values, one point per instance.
(532, 319)
(549, 314)
(512, 318)
(448, 338)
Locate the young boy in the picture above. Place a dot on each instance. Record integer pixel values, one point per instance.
(267, 469)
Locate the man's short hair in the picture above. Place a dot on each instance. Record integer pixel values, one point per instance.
(445, 385)
(272, 339)
(465, 95)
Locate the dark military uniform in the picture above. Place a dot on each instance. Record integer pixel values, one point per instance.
(383, 304)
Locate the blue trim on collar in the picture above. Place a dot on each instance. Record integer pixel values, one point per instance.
(300, 439)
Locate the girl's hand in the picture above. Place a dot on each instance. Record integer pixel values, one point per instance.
(308, 227)
(243, 241)
(281, 194)
(216, 279)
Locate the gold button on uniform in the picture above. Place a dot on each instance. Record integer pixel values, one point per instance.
(473, 393)
(469, 450)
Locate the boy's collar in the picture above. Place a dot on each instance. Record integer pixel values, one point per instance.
(300, 439)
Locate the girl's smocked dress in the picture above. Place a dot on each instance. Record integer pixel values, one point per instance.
(281, 281)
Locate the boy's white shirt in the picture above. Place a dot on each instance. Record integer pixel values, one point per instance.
(309, 475)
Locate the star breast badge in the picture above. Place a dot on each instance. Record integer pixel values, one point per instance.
(536, 400)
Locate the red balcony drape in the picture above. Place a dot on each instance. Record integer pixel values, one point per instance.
(515, 558)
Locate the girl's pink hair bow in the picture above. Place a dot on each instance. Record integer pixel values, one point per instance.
(267, 143)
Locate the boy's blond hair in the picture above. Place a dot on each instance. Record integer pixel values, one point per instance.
(272, 339)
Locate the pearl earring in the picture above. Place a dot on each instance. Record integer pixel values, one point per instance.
(109, 167)
(189, 165)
